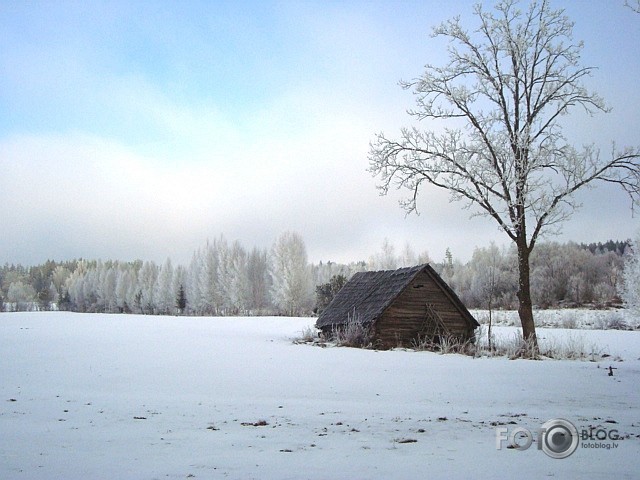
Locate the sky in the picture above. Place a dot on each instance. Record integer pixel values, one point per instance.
(140, 130)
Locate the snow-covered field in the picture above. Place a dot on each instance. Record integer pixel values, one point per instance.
(86, 396)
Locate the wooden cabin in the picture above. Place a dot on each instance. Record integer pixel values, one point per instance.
(399, 307)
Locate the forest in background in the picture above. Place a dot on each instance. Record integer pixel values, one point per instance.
(225, 278)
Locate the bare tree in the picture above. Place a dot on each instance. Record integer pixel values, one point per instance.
(486, 263)
(292, 287)
(631, 289)
(502, 152)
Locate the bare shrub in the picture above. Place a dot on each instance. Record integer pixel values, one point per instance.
(569, 321)
(523, 348)
(571, 347)
(445, 344)
(614, 321)
(354, 333)
(307, 335)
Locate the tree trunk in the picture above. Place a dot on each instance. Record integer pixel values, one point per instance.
(525, 307)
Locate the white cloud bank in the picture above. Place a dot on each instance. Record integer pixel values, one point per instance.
(118, 158)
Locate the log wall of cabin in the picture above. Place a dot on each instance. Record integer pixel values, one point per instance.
(404, 319)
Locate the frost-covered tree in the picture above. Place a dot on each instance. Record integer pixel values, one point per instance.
(238, 279)
(502, 152)
(193, 283)
(73, 285)
(134, 295)
(21, 295)
(224, 280)
(292, 289)
(258, 278)
(610, 268)
(209, 290)
(323, 272)
(407, 257)
(491, 279)
(89, 285)
(631, 290)
(165, 294)
(106, 293)
(385, 259)
(125, 285)
(571, 273)
(633, 5)
(59, 278)
(146, 287)
(550, 274)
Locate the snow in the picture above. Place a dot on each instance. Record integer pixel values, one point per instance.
(87, 396)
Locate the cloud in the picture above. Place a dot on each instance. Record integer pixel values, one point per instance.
(130, 135)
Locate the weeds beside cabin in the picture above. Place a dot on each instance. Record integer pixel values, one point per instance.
(399, 308)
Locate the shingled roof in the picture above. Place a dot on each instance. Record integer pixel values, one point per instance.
(369, 294)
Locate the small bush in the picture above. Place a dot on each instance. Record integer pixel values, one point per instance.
(445, 344)
(569, 321)
(615, 321)
(571, 347)
(518, 347)
(352, 334)
(307, 335)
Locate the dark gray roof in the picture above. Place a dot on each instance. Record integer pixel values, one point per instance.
(368, 294)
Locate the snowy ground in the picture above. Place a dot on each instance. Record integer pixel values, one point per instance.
(86, 396)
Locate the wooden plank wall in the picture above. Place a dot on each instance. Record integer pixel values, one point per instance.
(404, 319)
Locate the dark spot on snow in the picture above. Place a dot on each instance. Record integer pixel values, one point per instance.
(407, 440)
(12, 400)
(421, 430)
(610, 421)
(286, 450)
(259, 423)
(139, 418)
(442, 419)
(211, 427)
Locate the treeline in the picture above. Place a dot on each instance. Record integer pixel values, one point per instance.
(225, 278)
(222, 278)
(562, 275)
